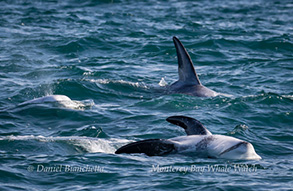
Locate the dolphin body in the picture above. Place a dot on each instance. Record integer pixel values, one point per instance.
(48, 99)
(56, 100)
(188, 82)
(199, 141)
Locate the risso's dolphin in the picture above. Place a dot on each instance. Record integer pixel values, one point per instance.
(56, 100)
(199, 141)
(49, 99)
(188, 82)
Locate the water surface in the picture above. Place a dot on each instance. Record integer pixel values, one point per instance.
(109, 57)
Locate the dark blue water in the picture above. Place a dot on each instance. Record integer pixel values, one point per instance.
(109, 57)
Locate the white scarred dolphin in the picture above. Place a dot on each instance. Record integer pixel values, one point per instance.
(49, 99)
(58, 100)
(188, 82)
(199, 141)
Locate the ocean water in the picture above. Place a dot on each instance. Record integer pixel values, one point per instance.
(110, 58)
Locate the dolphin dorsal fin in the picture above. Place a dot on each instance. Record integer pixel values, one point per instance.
(186, 70)
(190, 125)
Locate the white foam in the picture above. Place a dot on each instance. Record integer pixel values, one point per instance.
(91, 145)
(225, 95)
(163, 83)
(107, 81)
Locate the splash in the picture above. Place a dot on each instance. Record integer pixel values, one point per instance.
(238, 129)
(163, 83)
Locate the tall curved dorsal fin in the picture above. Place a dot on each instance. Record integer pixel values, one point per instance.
(186, 70)
(190, 125)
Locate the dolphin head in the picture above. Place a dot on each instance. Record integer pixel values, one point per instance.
(242, 150)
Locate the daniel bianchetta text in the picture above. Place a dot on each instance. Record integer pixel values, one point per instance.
(65, 168)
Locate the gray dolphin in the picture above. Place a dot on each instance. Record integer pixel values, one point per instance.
(188, 82)
(198, 141)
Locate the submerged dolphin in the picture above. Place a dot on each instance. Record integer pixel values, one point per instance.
(198, 141)
(49, 99)
(56, 100)
(188, 82)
